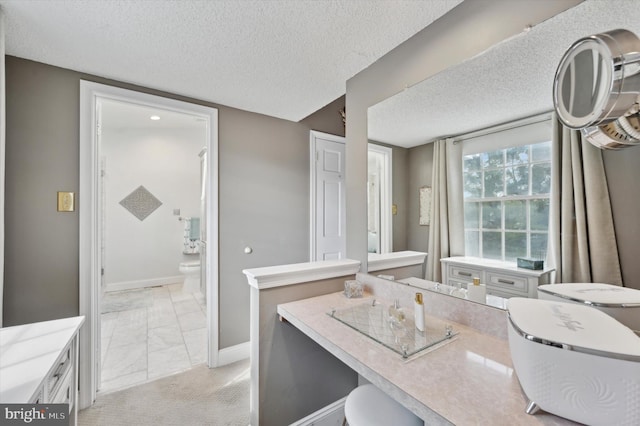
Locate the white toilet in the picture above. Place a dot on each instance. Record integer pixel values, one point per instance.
(191, 272)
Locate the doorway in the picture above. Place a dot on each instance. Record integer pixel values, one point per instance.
(379, 204)
(328, 197)
(136, 207)
(152, 307)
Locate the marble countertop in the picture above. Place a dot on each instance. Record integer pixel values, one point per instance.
(467, 381)
(29, 352)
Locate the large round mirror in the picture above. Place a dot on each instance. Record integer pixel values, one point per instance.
(598, 79)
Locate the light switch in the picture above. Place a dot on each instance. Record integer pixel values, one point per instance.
(66, 202)
(394, 209)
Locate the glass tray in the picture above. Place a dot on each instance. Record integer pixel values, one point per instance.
(373, 320)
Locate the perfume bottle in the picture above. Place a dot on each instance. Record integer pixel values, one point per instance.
(477, 292)
(418, 311)
(396, 321)
(396, 312)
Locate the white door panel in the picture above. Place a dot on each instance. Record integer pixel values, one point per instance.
(328, 235)
(332, 160)
(331, 209)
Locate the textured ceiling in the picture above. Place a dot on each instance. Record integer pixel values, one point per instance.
(512, 80)
(285, 59)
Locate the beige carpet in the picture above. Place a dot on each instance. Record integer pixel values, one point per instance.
(200, 396)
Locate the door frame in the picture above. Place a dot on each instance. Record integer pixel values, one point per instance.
(90, 230)
(313, 164)
(386, 196)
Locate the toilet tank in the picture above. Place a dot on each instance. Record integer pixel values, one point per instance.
(575, 361)
(622, 303)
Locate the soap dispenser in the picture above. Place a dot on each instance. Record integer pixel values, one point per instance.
(477, 292)
(418, 311)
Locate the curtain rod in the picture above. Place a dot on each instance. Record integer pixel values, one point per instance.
(521, 122)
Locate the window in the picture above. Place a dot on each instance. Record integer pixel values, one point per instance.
(506, 202)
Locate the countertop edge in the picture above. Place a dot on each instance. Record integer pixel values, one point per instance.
(424, 412)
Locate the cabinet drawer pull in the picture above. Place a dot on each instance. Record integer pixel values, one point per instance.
(502, 281)
(465, 274)
(57, 375)
(61, 369)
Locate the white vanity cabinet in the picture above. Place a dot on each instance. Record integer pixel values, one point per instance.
(501, 278)
(39, 363)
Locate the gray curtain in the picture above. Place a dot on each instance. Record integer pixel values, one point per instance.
(2, 156)
(446, 229)
(582, 241)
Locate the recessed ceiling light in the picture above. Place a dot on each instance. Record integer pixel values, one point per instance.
(155, 117)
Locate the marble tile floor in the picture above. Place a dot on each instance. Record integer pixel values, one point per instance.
(150, 333)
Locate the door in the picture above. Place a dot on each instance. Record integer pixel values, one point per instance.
(90, 232)
(328, 211)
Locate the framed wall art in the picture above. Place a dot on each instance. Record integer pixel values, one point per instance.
(425, 205)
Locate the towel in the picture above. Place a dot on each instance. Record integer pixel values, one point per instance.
(194, 229)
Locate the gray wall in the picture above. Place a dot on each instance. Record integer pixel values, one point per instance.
(400, 197)
(291, 375)
(42, 157)
(420, 170)
(264, 194)
(623, 177)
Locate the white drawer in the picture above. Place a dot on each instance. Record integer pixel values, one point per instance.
(60, 371)
(64, 392)
(504, 294)
(507, 282)
(463, 274)
(38, 398)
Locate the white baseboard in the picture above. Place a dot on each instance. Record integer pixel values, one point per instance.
(332, 414)
(233, 353)
(153, 282)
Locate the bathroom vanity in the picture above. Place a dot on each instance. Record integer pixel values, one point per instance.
(306, 363)
(466, 380)
(501, 278)
(39, 363)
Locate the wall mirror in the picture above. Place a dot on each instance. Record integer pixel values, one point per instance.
(510, 81)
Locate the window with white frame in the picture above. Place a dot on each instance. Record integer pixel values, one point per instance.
(506, 195)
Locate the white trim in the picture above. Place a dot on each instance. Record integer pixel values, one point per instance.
(386, 197)
(320, 415)
(517, 133)
(398, 259)
(281, 275)
(3, 137)
(313, 135)
(234, 353)
(545, 116)
(151, 282)
(89, 258)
